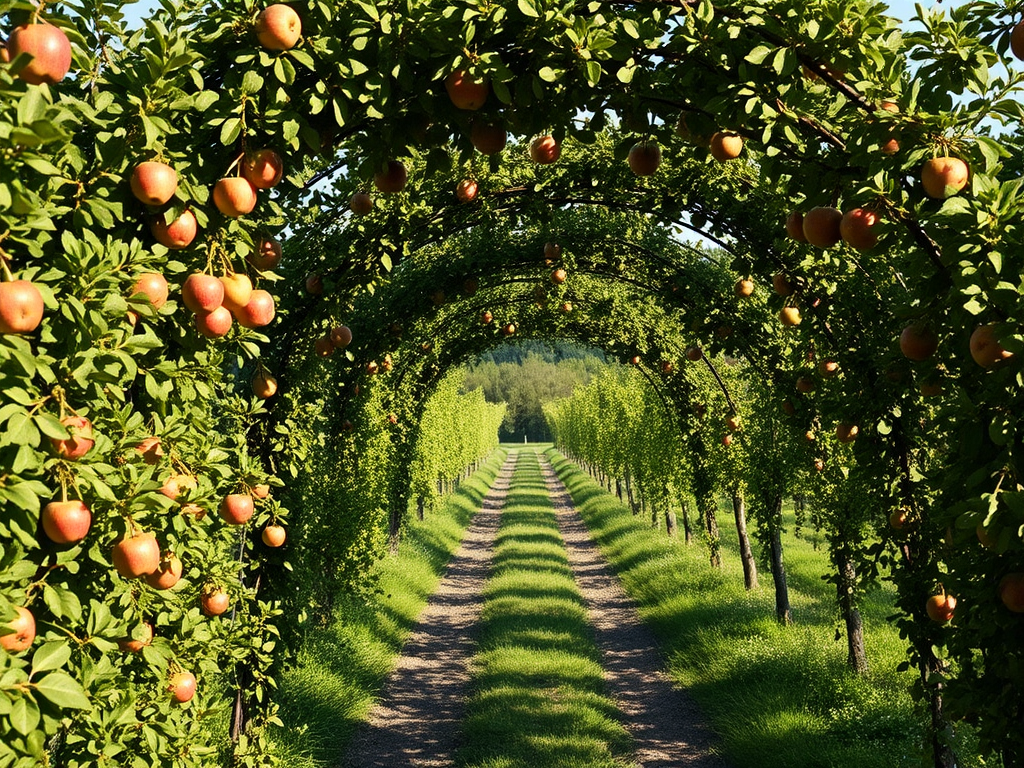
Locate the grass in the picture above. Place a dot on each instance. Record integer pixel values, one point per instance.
(779, 697)
(538, 697)
(341, 669)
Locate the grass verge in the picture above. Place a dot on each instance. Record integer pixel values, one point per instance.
(538, 696)
(779, 697)
(341, 669)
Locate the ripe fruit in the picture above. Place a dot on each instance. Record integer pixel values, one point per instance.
(795, 227)
(552, 251)
(943, 177)
(274, 535)
(131, 644)
(154, 183)
(151, 450)
(684, 132)
(743, 288)
(1011, 591)
(215, 324)
(202, 293)
(236, 508)
(167, 574)
(566, 307)
(489, 139)
(215, 601)
(372, 368)
(1017, 40)
(80, 442)
(822, 226)
(788, 408)
(732, 423)
(857, 229)
(50, 50)
(940, 608)
(237, 290)
(177, 484)
(21, 307)
(790, 316)
(725, 146)
(178, 234)
(278, 27)
(644, 158)
(136, 555)
(182, 685)
(361, 203)
(465, 90)
(782, 285)
(259, 312)
(341, 336)
(486, 317)
(809, 436)
(264, 385)
(545, 150)
(918, 342)
(263, 169)
(828, 369)
(805, 384)
(694, 353)
(509, 329)
(261, 491)
(558, 276)
(819, 465)
(470, 286)
(323, 347)
(466, 190)
(66, 522)
(931, 389)
(154, 287)
(667, 367)
(24, 626)
(267, 256)
(391, 178)
(898, 519)
(985, 347)
(847, 433)
(234, 196)
(635, 360)
(726, 439)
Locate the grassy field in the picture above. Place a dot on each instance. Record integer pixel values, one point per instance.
(342, 668)
(780, 697)
(538, 698)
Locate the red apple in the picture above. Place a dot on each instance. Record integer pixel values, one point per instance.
(237, 290)
(154, 183)
(918, 342)
(558, 276)
(726, 440)
(847, 433)
(215, 324)
(264, 385)
(822, 226)
(805, 384)
(644, 158)
(857, 228)
(391, 178)
(795, 227)
(182, 686)
(278, 27)
(323, 347)
(234, 196)
(466, 190)
(790, 316)
(259, 312)
(21, 307)
(151, 450)
(1011, 591)
(274, 535)
(178, 234)
(782, 285)
(131, 644)
(214, 601)
(154, 287)
(985, 347)
(267, 256)
(341, 336)
(940, 608)
(944, 177)
(465, 90)
(898, 519)
(24, 631)
(314, 284)
(489, 139)
(136, 555)
(667, 367)
(167, 573)
(725, 146)
(80, 442)
(509, 329)
(743, 288)
(177, 484)
(828, 369)
(372, 368)
(264, 169)
(261, 491)
(566, 307)
(486, 317)
(202, 293)
(66, 522)
(732, 423)
(470, 286)
(49, 48)
(361, 203)
(1017, 40)
(545, 150)
(236, 508)
(694, 353)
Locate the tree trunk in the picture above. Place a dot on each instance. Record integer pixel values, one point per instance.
(618, 488)
(671, 528)
(420, 502)
(708, 511)
(629, 493)
(856, 657)
(687, 529)
(783, 610)
(739, 511)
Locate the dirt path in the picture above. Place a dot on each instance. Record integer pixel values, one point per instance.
(419, 717)
(668, 728)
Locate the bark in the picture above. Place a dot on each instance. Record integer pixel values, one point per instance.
(671, 528)
(739, 510)
(629, 492)
(420, 502)
(708, 513)
(687, 528)
(783, 610)
(618, 488)
(856, 656)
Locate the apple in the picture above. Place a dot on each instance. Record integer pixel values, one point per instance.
(182, 685)
(470, 286)
(438, 298)
(1017, 40)
(545, 150)
(267, 256)
(790, 316)
(509, 329)
(944, 177)
(264, 385)
(822, 226)
(167, 574)
(136, 555)
(552, 251)
(178, 234)
(261, 491)
(66, 522)
(133, 644)
(372, 368)
(465, 90)
(732, 423)
(274, 535)
(988, 541)
(361, 203)
(347, 426)
(202, 293)
(819, 465)
(80, 442)
(214, 601)
(486, 317)
(725, 146)
(931, 389)
(809, 436)
(323, 347)
(694, 353)
(215, 324)
(828, 369)
(466, 190)
(782, 285)
(1011, 591)
(488, 138)
(788, 408)
(566, 307)
(898, 519)
(558, 276)
(386, 364)
(644, 158)
(667, 367)
(847, 433)
(684, 132)
(259, 312)
(234, 196)
(24, 631)
(743, 288)
(341, 336)
(985, 347)
(49, 48)
(918, 342)
(857, 228)
(237, 290)
(151, 450)
(154, 183)
(940, 608)
(805, 384)
(177, 484)
(236, 508)
(154, 287)
(726, 440)
(21, 307)
(795, 227)
(391, 177)
(635, 360)
(278, 27)
(264, 169)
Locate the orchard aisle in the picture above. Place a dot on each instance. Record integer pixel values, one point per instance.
(666, 724)
(419, 717)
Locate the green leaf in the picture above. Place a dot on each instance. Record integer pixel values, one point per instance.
(24, 715)
(230, 131)
(529, 8)
(64, 691)
(50, 656)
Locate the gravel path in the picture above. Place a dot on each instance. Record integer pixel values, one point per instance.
(419, 717)
(666, 724)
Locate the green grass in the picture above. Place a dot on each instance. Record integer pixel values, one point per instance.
(341, 669)
(779, 697)
(538, 696)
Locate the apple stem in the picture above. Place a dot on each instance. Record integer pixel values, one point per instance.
(236, 165)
